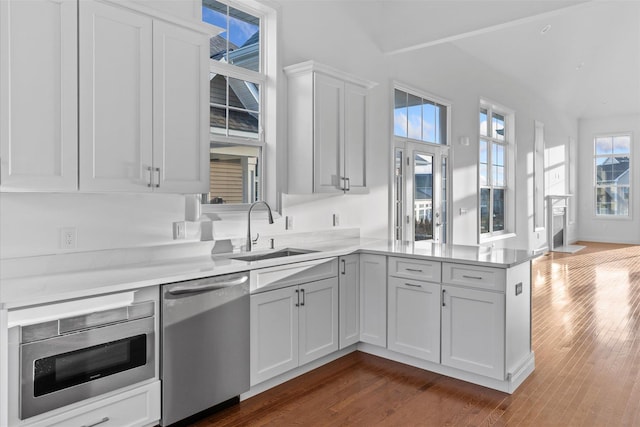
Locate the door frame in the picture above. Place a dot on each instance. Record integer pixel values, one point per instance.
(402, 215)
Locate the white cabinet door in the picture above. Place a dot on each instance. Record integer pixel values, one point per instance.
(39, 102)
(473, 331)
(328, 130)
(274, 333)
(318, 317)
(181, 109)
(349, 302)
(115, 98)
(414, 318)
(373, 299)
(354, 153)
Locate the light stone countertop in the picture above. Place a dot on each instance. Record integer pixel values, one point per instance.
(30, 290)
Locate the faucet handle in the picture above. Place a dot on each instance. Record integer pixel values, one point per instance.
(256, 239)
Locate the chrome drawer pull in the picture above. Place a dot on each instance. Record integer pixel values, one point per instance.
(472, 277)
(102, 421)
(413, 285)
(414, 270)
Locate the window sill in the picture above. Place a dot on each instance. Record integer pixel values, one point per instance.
(613, 218)
(489, 239)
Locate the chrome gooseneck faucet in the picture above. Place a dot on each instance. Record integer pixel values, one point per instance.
(249, 241)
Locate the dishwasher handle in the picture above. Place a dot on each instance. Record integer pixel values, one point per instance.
(204, 287)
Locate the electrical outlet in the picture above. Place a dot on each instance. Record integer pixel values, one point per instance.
(336, 220)
(179, 230)
(288, 225)
(68, 237)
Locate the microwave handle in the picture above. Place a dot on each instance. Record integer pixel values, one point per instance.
(199, 287)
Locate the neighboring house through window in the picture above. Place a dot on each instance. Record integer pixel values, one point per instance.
(612, 167)
(495, 171)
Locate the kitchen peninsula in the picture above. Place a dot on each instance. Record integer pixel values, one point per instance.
(457, 310)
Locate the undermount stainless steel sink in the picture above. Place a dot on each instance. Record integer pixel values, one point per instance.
(277, 254)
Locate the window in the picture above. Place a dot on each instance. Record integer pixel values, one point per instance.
(494, 177)
(418, 118)
(238, 76)
(420, 169)
(612, 161)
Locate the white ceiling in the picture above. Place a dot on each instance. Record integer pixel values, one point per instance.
(587, 64)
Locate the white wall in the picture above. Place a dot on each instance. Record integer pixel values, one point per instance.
(327, 32)
(30, 222)
(602, 229)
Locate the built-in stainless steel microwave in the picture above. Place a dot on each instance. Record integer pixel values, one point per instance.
(70, 359)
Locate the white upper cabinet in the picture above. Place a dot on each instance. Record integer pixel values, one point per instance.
(143, 103)
(181, 108)
(39, 104)
(327, 130)
(103, 96)
(115, 98)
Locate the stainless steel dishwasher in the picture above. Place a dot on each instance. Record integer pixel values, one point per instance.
(205, 344)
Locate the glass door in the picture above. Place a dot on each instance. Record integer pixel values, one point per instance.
(423, 195)
(420, 193)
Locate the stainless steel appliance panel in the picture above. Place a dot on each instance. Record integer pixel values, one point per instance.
(32, 352)
(205, 344)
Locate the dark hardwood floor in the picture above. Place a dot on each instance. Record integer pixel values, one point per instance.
(586, 337)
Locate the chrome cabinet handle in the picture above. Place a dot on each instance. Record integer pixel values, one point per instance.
(298, 298)
(472, 277)
(302, 291)
(348, 184)
(158, 182)
(102, 421)
(413, 285)
(443, 304)
(415, 270)
(344, 267)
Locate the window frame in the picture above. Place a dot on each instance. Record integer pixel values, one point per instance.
(398, 230)
(611, 217)
(509, 146)
(266, 78)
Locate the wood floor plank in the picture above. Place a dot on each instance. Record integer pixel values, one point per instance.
(586, 337)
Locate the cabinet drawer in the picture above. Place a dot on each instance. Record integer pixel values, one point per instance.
(474, 276)
(281, 276)
(136, 407)
(416, 269)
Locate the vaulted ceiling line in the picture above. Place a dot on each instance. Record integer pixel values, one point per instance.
(489, 29)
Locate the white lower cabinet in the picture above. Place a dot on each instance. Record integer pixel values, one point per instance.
(414, 318)
(292, 326)
(473, 331)
(373, 299)
(349, 282)
(136, 407)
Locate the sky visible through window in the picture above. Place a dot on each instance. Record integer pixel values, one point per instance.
(237, 32)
